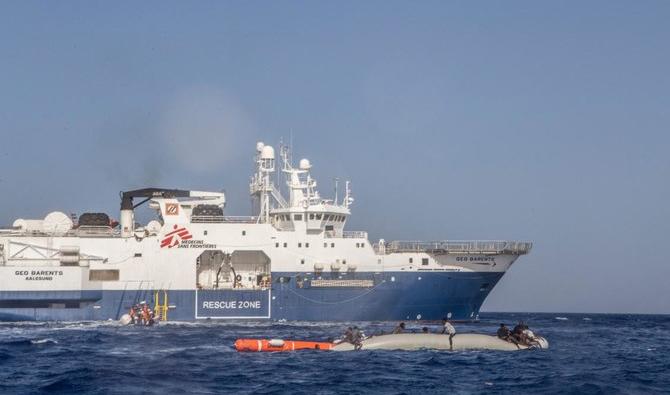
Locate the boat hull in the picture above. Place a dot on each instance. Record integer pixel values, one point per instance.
(388, 296)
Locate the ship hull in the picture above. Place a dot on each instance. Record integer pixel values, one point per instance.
(388, 296)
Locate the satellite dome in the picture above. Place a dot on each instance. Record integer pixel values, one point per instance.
(57, 223)
(304, 164)
(153, 227)
(267, 152)
(259, 146)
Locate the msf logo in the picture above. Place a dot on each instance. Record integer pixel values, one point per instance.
(175, 237)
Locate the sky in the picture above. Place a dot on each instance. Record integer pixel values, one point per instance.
(540, 121)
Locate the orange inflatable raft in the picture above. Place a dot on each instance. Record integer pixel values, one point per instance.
(265, 345)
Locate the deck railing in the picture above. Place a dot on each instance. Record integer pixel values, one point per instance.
(457, 247)
(221, 219)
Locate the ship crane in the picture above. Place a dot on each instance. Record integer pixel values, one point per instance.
(127, 219)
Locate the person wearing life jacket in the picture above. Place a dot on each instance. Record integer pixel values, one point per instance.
(399, 329)
(448, 329)
(145, 314)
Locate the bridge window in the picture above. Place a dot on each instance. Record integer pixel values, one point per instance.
(306, 245)
(325, 245)
(318, 216)
(277, 245)
(332, 244)
(424, 261)
(411, 260)
(311, 216)
(299, 245)
(297, 217)
(285, 245)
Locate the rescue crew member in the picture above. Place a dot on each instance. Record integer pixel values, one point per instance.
(146, 316)
(449, 330)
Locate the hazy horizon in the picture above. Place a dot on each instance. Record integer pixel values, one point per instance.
(520, 120)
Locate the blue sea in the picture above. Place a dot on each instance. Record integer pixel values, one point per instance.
(589, 354)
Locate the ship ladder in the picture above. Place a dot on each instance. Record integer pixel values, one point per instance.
(161, 309)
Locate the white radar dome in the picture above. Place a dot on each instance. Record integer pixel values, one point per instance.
(153, 227)
(268, 152)
(304, 164)
(57, 223)
(259, 146)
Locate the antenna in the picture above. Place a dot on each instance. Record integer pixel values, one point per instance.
(337, 180)
(290, 145)
(281, 156)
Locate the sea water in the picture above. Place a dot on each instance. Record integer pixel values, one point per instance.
(589, 353)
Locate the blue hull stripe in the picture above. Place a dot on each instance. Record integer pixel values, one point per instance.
(393, 296)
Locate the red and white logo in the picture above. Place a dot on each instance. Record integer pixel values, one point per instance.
(175, 237)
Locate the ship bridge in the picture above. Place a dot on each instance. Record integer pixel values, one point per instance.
(304, 209)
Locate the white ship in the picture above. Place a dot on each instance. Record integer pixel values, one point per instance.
(292, 260)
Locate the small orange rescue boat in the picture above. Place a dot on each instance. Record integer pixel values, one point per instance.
(265, 345)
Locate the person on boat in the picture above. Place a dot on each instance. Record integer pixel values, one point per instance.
(132, 314)
(357, 338)
(449, 329)
(424, 329)
(399, 329)
(348, 335)
(146, 315)
(152, 317)
(518, 332)
(529, 337)
(504, 332)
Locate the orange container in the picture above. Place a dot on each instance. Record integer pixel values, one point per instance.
(265, 345)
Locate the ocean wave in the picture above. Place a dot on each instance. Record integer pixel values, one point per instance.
(199, 357)
(44, 341)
